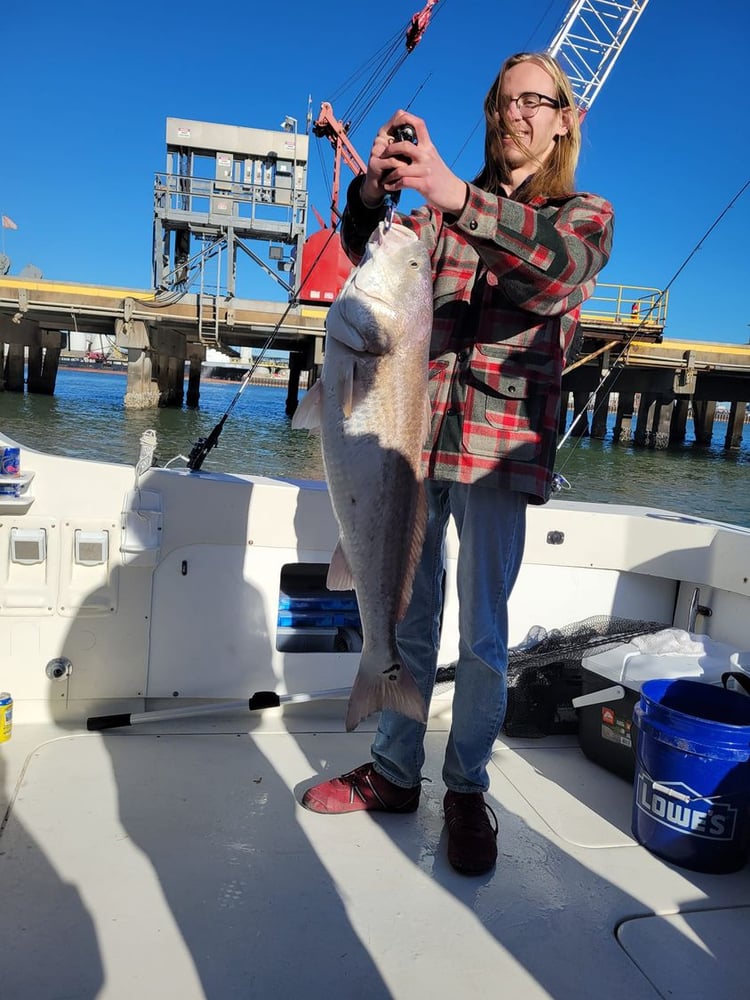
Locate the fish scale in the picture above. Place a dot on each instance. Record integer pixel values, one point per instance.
(371, 406)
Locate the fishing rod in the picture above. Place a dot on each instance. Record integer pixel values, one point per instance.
(415, 29)
(619, 364)
(203, 446)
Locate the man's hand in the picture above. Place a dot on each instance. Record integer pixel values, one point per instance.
(426, 172)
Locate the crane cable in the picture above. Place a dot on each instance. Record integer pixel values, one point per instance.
(408, 36)
(203, 446)
(388, 59)
(374, 85)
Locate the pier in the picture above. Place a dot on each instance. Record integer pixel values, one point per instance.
(656, 387)
(164, 339)
(226, 187)
(159, 335)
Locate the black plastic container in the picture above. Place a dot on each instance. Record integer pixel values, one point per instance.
(604, 728)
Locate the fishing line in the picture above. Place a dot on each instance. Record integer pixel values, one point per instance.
(417, 91)
(203, 446)
(619, 364)
(470, 136)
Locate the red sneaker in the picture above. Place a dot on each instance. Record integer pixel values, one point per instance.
(362, 788)
(472, 835)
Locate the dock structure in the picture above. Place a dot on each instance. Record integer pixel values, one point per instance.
(657, 385)
(165, 337)
(160, 335)
(224, 187)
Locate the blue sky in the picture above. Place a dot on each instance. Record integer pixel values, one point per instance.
(88, 87)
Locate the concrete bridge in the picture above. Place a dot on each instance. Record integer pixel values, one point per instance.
(656, 386)
(624, 350)
(160, 334)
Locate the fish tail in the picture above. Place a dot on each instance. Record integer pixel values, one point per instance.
(392, 688)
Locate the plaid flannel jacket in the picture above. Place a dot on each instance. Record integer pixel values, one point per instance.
(508, 283)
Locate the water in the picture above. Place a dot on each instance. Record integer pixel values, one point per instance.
(86, 419)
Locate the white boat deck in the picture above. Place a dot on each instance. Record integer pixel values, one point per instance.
(173, 860)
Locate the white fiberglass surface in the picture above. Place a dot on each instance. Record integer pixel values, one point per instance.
(178, 862)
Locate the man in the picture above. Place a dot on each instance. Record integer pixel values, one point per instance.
(514, 254)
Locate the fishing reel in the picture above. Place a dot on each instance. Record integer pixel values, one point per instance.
(560, 483)
(405, 133)
(401, 133)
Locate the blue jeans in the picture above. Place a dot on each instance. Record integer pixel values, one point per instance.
(491, 526)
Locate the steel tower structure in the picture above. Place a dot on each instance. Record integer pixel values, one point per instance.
(589, 41)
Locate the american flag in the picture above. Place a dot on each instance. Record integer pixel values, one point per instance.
(8, 223)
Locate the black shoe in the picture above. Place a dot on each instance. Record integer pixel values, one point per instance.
(472, 835)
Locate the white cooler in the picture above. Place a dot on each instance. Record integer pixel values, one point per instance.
(611, 684)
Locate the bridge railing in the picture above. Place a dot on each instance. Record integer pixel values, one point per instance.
(627, 305)
(245, 205)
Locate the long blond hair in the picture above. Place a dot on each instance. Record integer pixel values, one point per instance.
(556, 175)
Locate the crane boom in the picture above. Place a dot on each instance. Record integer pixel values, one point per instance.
(325, 266)
(589, 41)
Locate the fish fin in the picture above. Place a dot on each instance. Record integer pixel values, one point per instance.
(427, 425)
(394, 688)
(339, 573)
(307, 414)
(345, 387)
(415, 550)
(338, 327)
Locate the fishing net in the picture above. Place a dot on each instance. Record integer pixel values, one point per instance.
(545, 673)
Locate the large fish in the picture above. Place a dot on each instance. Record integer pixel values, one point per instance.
(372, 408)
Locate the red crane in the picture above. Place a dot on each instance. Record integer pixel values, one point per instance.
(587, 44)
(325, 266)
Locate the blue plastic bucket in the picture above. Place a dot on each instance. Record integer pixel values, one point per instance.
(691, 796)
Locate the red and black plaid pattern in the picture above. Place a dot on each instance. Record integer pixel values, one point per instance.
(508, 283)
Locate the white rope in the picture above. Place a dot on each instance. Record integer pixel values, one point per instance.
(146, 454)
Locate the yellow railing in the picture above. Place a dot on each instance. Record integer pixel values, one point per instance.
(630, 305)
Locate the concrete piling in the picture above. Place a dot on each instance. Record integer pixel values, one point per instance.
(580, 401)
(194, 382)
(623, 430)
(171, 380)
(678, 426)
(600, 414)
(14, 368)
(653, 423)
(142, 392)
(736, 421)
(296, 361)
(704, 413)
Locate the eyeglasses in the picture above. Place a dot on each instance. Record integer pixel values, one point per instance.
(529, 103)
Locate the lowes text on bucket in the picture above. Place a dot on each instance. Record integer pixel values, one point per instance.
(690, 813)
